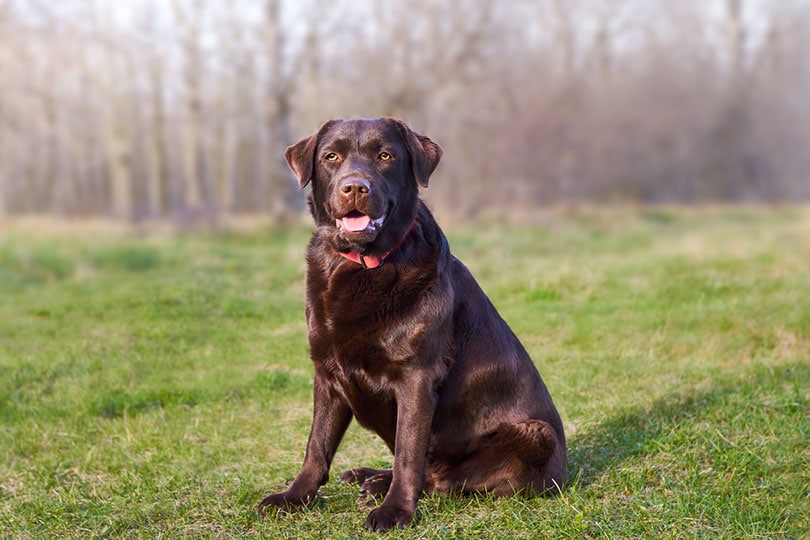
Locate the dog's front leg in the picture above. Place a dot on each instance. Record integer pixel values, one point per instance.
(331, 416)
(416, 402)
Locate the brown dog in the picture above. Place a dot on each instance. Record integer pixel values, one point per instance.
(404, 340)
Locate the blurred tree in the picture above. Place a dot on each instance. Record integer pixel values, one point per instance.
(190, 19)
(182, 109)
(282, 84)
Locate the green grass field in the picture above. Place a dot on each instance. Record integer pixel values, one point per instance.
(159, 386)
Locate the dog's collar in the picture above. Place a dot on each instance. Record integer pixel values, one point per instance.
(370, 261)
(366, 261)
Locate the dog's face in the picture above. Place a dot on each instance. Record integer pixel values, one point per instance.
(365, 176)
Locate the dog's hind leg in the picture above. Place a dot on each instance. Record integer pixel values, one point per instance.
(531, 441)
(524, 456)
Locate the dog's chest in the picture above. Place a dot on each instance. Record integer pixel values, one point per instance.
(364, 328)
(367, 318)
(372, 346)
(362, 299)
(368, 352)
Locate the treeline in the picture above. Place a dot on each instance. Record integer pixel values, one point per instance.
(182, 108)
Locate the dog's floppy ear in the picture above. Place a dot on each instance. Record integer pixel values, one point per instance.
(301, 156)
(425, 154)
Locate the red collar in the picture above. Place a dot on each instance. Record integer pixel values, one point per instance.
(366, 261)
(369, 261)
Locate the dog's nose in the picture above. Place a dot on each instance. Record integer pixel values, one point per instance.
(354, 187)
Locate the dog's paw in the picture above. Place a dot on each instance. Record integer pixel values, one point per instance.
(373, 482)
(376, 486)
(284, 502)
(361, 474)
(354, 476)
(388, 516)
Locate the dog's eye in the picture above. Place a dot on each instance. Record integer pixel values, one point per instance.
(385, 156)
(331, 156)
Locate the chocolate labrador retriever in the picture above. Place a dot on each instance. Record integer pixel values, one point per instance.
(404, 340)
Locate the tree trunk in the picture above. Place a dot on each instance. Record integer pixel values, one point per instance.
(158, 169)
(285, 200)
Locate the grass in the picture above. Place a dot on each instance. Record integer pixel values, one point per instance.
(159, 386)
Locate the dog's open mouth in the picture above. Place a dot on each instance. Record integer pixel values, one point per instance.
(356, 222)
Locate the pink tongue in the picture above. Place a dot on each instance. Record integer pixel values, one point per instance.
(357, 222)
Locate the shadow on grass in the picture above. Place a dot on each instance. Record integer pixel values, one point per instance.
(645, 430)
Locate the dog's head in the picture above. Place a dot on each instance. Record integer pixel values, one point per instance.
(365, 177)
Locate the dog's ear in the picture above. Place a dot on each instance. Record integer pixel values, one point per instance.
(301, 156)
(425, 154)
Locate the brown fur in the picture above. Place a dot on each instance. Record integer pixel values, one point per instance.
(412, 349)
